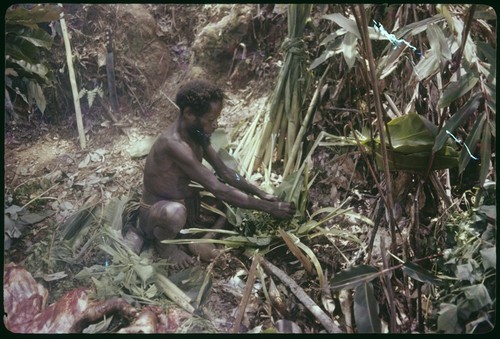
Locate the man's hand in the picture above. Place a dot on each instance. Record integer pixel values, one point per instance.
(268, 197)
(282, 210)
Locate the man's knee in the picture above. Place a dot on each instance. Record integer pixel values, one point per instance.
(170, 216)
(165, 220)
(174, 214)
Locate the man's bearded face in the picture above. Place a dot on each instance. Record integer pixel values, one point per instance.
(205, 125)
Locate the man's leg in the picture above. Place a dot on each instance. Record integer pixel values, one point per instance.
(163, 221)
(208, 251)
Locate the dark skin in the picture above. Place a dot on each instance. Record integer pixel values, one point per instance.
(173, 162)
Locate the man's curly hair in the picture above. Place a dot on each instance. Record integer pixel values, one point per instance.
(198, 94)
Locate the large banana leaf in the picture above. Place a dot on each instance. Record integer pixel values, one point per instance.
(412, 138)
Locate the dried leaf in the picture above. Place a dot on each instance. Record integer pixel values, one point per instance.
(99, 327)
(54, 276)
(13, 210)
(11, 230)
(448, 318)
(464, 272)
(85, 162)
(489, 256)
(477, 297)
(141, 148)
(33, 218)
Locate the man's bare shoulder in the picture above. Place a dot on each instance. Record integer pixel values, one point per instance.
(175, 147)
(168, 141)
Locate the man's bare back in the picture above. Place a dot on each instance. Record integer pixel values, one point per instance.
(163, 179)
(176, 159)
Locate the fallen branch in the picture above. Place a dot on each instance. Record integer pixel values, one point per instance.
(246, 294)
(321, 316)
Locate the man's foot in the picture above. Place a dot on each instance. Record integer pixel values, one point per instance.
(174, 254)
(206, 252)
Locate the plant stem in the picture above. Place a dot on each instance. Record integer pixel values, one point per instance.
(72, 78)
(312, 106)
(363, 26)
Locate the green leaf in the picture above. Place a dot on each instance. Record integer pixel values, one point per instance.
(412, 138)
(438, 42)
(37, 69)
(259, 241)
(313, 258)
(448, 318)
(173, 292)
(38, 38)
(456, 120)
(471, 142)
(427, 66)
(485, 154)
(354, 276)
(488, 54)
(29, 17)
(307, 227)
(457, 89)
(342, 21)
(78, 222)
(327, 54)
(92, 271)
(349, 49)
(145, 272)
(419, 273)
(418, 27)
(411, 133)
(419, 162)
(287, 190)
(366, 310)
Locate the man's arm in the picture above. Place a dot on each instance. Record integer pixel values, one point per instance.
(185, 158)
(231, 177)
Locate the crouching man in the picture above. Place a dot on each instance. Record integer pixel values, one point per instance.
(168, 202)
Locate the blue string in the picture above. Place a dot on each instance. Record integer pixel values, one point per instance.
(378, 27)
(460, 142)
